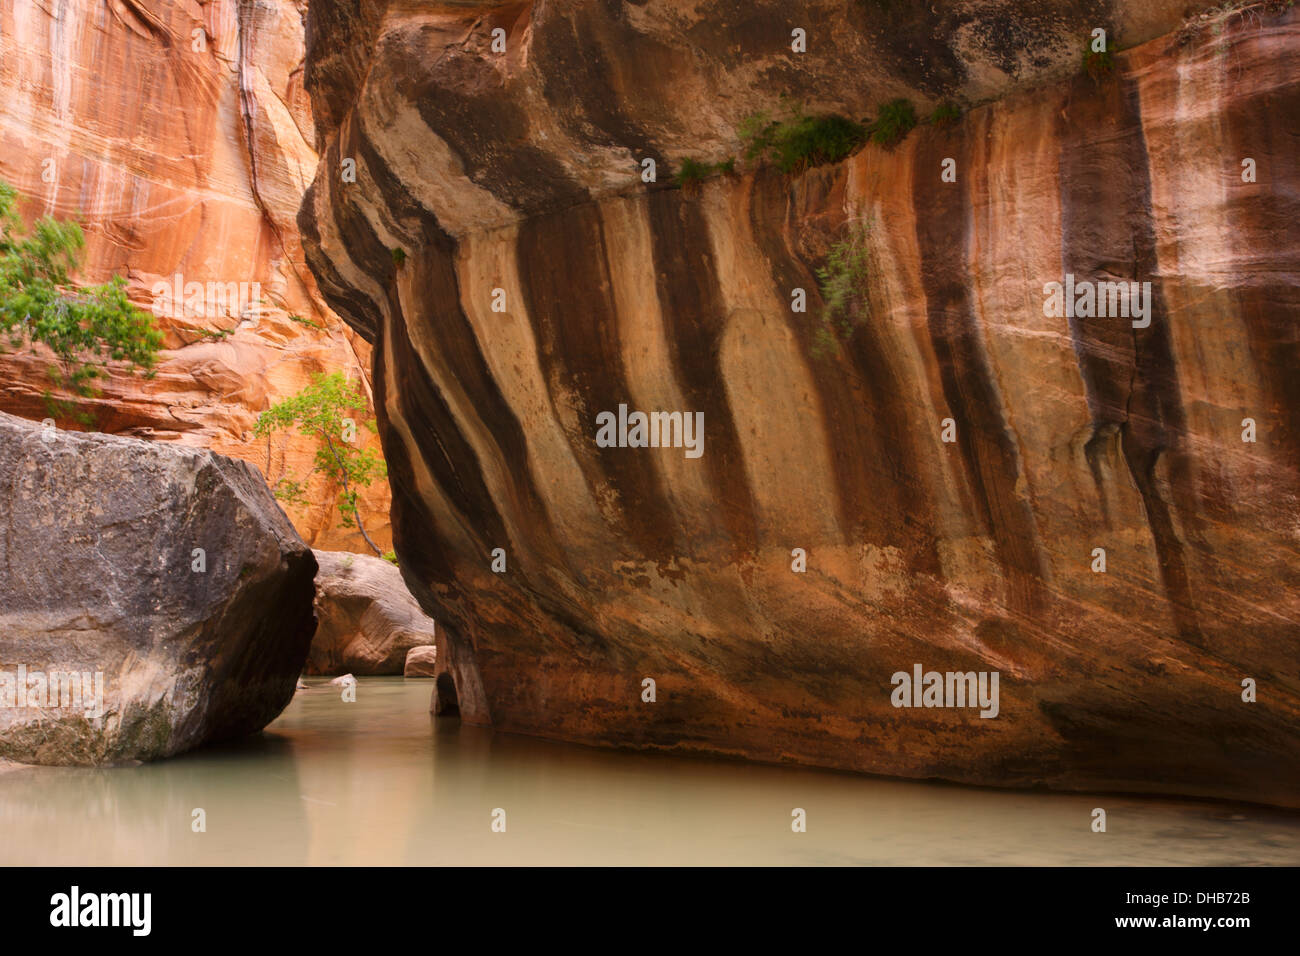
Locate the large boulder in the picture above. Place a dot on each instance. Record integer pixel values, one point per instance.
(153, 598)
(368, 619)
(421, 662)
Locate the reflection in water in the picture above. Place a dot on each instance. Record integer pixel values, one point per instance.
(381, 782)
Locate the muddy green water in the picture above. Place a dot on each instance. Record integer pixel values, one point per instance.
(382, 782)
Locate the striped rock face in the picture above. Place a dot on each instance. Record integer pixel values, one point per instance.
(978, 477)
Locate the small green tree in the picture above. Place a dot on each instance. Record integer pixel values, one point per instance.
(85, 327)
(843, 282)
(319, 411)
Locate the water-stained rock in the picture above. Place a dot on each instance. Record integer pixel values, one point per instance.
(937, 490)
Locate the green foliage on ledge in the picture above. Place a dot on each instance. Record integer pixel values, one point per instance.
(692, 172)
(897, 118)
(295, 317)
(86, 327)
(945, 114)
(800, 141)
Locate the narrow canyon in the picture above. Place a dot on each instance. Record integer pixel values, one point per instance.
(997, 379)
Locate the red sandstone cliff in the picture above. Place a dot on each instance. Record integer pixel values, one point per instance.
(519, 172)
(180, 136)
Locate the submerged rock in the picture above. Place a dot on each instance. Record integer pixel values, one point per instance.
(433, 662)
(368, 619)
(152, 598)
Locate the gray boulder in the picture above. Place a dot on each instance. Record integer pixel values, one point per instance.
(368, 619)
(153, 598)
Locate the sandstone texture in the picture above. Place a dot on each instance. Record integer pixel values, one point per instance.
(520, 172)
(369, 622)
(421, 662)
(170, 571)
(180, 136)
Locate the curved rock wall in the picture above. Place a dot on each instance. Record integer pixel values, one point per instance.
(180, 136)
(975, 554)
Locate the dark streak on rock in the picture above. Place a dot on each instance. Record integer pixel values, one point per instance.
(1108, 234)
(695, 319)
(983, 436)
(873, 450)
(568, 296)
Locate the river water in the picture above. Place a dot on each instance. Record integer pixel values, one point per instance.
(380, 781)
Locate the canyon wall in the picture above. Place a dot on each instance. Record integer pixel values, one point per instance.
(180, 136)
(949, 471)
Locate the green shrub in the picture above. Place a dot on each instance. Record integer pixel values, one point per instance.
(800, 141)
(691, 173)
(897, 118)
(843, 282)
(399, 255)
(945, 114)
(294, 317)
(85, 327)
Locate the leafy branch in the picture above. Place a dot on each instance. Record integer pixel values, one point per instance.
(318, 412)
(85, 327)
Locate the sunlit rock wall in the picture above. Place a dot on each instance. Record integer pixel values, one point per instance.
(180, 136)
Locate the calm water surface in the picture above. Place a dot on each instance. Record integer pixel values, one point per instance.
(381, 782)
